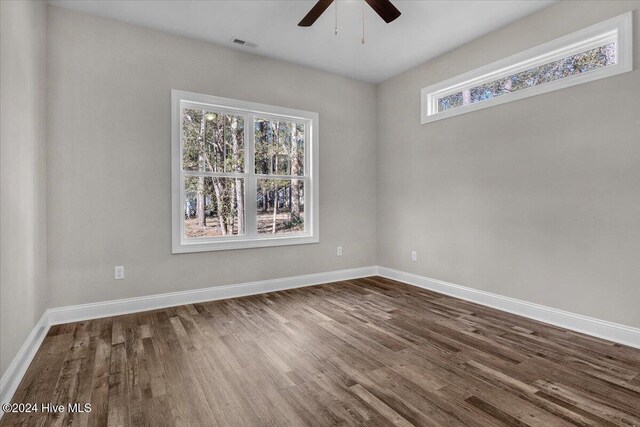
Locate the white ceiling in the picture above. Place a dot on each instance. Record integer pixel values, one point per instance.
(425, 29)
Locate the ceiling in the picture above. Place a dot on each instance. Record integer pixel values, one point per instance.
(425, 29)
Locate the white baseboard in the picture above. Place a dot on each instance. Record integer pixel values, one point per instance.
(53, 316)
(16, 370)
(599, 328)
(76, 313)
(615, 332)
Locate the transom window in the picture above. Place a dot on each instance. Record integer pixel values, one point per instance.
(596, 52)
(244, 174)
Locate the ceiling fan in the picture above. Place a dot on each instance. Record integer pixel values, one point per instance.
(384, 8)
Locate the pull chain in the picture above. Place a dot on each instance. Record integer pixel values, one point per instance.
(362, 22)
(336, 28)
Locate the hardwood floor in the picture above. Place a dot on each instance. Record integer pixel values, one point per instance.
(361, 352)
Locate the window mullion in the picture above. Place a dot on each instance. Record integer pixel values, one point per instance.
(214, 174)
(251, 184)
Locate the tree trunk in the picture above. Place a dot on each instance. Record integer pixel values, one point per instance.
(295, 170)
(218, 141)
(239, 190)
(200, 196)
(218, 192)
(276, 142)
(265, 199)
(275, 208)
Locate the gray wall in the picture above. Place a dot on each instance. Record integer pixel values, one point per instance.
(22, 173)
(537, 199)
(108, 160)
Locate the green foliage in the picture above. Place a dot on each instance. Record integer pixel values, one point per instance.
(295, 222)
(274, 143)
(220, 130)
(214, 142)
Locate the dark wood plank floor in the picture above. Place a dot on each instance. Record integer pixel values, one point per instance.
(361, 352)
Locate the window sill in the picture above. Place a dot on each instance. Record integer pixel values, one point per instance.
(226, 245)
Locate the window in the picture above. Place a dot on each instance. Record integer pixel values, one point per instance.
(599, 51)
(244, 175)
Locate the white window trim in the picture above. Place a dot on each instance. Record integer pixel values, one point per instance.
(618, 29)
(249, 110)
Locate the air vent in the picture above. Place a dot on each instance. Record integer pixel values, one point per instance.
(243, 43)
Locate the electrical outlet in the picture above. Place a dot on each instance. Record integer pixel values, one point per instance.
(119, 272)
(414, 256)
(339, 251)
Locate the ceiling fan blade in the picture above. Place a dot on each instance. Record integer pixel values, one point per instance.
(315, 13)
(385, 9)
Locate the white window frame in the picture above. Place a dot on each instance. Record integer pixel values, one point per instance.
(618, 29)
(249, 110)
